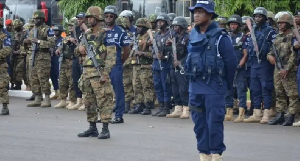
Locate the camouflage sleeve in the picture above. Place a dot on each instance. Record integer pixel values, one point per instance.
(49, 43)
(5, 51)
(271, 51)
(292, 59)
(76, 50)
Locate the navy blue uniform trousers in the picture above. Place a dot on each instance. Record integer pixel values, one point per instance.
(116, 76)
(54, 72)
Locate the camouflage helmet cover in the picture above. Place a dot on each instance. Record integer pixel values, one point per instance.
(17, 23)
(152, 18)
(95, 12)
(286, 17)
(271, 15)
(73, 21)
(123, 22)
(143, 22)
(38, 14)
(221, 20)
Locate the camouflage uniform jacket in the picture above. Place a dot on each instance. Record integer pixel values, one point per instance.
(46, 42)
(143, 46)
(103, 54)
(284, 48)
(5, 50)
(66, 50)
(17, 43)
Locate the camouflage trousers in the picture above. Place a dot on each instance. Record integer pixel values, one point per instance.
(142, 84)
(97, 97)
(4, 81)
(127, 81)
(39, 77)
(286, 89)
(19, 70)
(66, 82)
(27, 72)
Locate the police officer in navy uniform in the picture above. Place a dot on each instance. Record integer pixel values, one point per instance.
(180, 85)
(211, 65)
(235, 24)
(161, 66)
(117, 37)
(262, 71)
(54, 72)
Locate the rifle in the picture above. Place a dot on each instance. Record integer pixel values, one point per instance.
(35, 47)
(154, 47)
(248, 22)
(91, 55)
(61, 55)
(134, 48)
(175, 56)
(235, 76)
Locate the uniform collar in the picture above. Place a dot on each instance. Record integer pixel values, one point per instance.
(213, 25)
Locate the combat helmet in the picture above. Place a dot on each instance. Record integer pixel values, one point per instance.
(271, 15)
(172, 16)
(235, 19)
(39, 14)
(17, 23)
(123, 22)
(244, 18)
(152, 18)
(221, 20)
(207, 5)
(286, 17)
(111, 9)
(58, 28)
(164, 17)
(96, 12)
(143, 22)
(260, 11)
(180, 21)
(73, 21)
(128, 14)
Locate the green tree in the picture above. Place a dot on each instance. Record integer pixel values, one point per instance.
(246, 7)
(70, 8)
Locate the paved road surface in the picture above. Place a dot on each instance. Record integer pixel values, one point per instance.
(35, 134)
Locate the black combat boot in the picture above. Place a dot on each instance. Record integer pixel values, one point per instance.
(30, 98)
(250, 111)
(5, 110)
(289, 120)
(127, 107)
(166, 110)
(161, 108)
(138, 109)
(105, 132)
(17, 86)
(278, 120)
(91, 132)
(147, 109)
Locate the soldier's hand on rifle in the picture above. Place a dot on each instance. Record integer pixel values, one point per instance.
(283, 73)
(272, 59)
(176, 63)
(34, 40)
(82, 50)
(73, 40)
(159, 56)
(138, 53)
(57, 52)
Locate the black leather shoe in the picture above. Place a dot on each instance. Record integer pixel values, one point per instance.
(91, 132)
(290, 120)
(117, 121)
(165, 111)
(147, 110)
(105, 132)
(278, 120)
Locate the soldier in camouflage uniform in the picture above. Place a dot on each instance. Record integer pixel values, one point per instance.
(27, 51)
(142, 72)
(17, 58)
(40, 68)
(285, 78)
(96, 89)
(127, 73)
(65, 52)
(5, 50)
(222, 22)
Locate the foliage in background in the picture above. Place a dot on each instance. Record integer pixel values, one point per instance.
(246, 7)
(71, 8)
